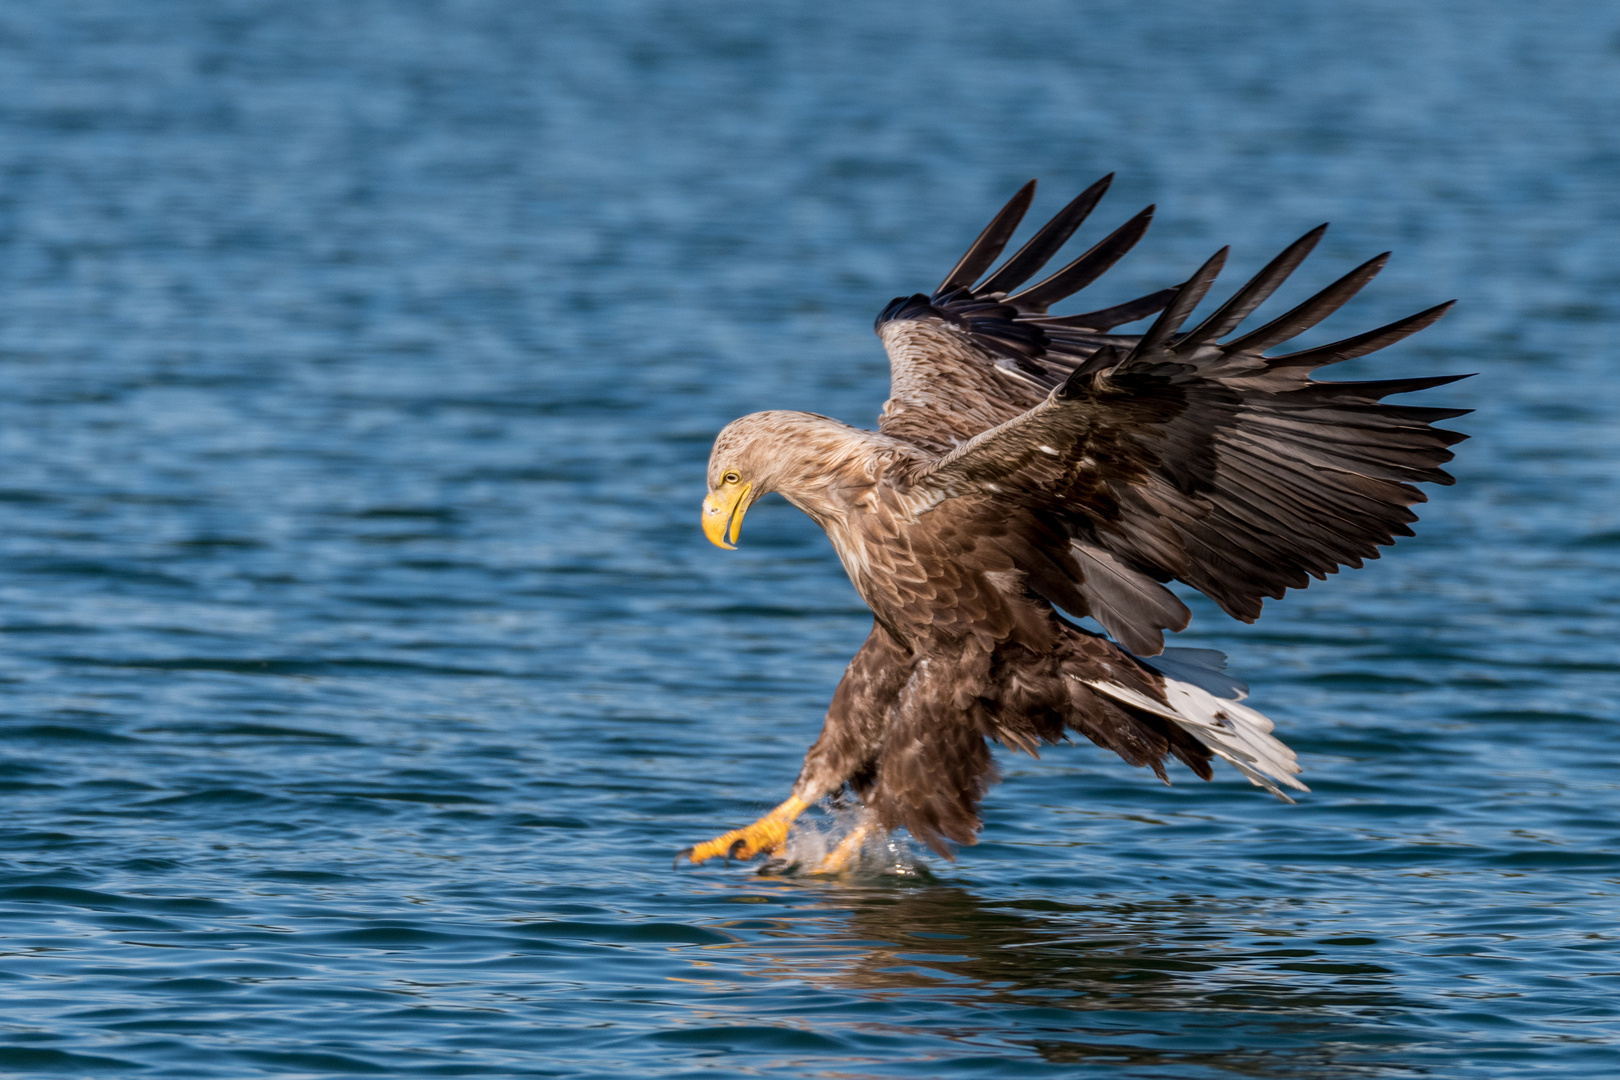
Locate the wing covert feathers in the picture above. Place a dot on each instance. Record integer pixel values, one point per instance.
(1169, 455)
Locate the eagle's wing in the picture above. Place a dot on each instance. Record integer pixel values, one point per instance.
(1177, 456)
(970, 357)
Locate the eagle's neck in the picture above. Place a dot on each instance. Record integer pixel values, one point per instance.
(827, 469)
(827, 491)
(848, 481)
(844, 479)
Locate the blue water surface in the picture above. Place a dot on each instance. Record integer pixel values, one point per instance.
(363, 666)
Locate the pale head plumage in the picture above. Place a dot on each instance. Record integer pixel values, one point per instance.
(815, 462)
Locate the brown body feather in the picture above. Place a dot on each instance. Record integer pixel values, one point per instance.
(906, 730)
(1026, 463)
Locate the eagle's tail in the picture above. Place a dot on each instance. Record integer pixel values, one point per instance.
(1205, 702)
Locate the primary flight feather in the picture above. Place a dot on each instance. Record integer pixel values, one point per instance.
(1028, 465)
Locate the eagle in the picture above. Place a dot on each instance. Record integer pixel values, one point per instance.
(1029, 470)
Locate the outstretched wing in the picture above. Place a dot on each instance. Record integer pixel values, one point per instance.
(1181, 457)
(969, 357)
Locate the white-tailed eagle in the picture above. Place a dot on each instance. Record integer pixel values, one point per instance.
(1028, 465)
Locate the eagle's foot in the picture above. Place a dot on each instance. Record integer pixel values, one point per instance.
(848, 849)
(761, 838)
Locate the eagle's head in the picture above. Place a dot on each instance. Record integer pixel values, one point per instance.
(802, 455)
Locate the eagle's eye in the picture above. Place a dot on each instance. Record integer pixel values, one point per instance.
(731, 478)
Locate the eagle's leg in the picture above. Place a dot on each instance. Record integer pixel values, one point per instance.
(761, 838)
(842, 755)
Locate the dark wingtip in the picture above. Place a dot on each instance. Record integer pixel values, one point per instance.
(1361, 344)
(1256, 291)
(1047, 241)
(988, 245)
(1188, 296)
(1086, 269)
(1312, 311)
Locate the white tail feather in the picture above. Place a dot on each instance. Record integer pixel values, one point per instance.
(1201, 667)
(1205, 704)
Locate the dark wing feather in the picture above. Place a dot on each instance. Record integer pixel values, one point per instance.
(1118, 315)
(1256, 292)
(1181, 305)
(1160, 456)
(1044, 244)
(1084, 270)
(969, 357)
(1228, 470)
(990, 243)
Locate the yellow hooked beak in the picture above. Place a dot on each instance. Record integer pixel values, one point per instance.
(725, 508)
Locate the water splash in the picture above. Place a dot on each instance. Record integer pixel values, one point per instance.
(880, 855)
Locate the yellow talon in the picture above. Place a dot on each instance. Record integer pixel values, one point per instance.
(761, 838)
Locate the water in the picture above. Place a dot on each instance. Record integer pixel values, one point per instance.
(364, 666)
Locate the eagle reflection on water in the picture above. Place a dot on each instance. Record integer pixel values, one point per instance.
(1189, 982)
